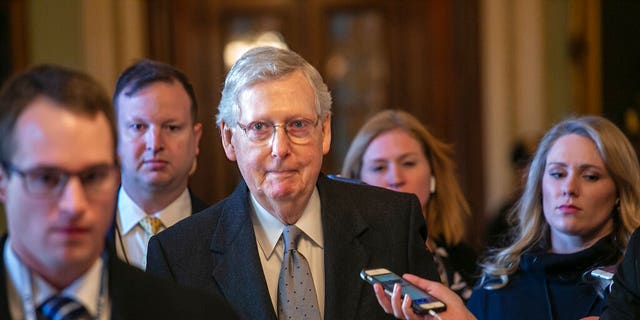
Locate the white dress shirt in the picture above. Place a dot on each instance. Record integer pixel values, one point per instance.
(131, 235)
(268, 232)
(27, 290)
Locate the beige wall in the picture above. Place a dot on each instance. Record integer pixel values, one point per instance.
(54, 33)
(526, 80)
(100, 37)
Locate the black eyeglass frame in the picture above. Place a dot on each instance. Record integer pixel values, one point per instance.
(29, 177)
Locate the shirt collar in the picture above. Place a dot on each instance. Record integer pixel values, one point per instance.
(130, 213)
(270, 228)
(85, 289)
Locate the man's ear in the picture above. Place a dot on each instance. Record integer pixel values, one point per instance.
(326, 134)
(197, 132)
(4, 180)
(227, 141)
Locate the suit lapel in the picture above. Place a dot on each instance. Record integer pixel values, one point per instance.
(238, 272)
(237, 269)
(111, 234)
(197, 205)
(118, 294)
(4, 298)
(344, 253)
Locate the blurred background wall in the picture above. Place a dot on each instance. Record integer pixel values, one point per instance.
(481, 74)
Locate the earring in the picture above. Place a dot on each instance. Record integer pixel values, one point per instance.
(432, 184)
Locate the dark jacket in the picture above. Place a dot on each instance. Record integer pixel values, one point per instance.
(624, 300)
(548, 286)
(363, 226)
(137, 295)
(460, 266)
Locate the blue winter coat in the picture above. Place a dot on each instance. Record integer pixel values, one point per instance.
(548, 286)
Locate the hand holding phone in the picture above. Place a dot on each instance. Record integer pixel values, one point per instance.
(422, 302)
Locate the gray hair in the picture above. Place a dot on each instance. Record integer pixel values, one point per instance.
(266, 64)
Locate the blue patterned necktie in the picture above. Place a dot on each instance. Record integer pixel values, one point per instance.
(296, 293)
(62, 308)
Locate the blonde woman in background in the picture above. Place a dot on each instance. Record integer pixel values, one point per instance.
(394, 150)
(578, 209)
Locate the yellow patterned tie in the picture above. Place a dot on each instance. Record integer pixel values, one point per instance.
(151, 225)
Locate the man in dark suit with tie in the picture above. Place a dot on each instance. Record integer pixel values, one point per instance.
(158, 138)
(58, 180)
(275, 122)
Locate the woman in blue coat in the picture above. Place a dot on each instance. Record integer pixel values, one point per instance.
(577, 212)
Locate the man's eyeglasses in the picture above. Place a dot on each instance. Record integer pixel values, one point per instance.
(298, 130)
(49, 182)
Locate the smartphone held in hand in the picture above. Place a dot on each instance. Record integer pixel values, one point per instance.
(422, 301)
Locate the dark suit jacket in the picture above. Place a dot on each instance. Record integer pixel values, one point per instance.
(138, 295)
(197, 205)
(624, 300)
(363, 226)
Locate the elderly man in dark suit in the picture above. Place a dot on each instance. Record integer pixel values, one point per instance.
(285, 216)
(58, 180)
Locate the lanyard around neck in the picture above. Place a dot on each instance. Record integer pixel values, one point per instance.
(28, 299)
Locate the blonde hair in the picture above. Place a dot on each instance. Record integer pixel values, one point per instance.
(447, 209)
(531, 228)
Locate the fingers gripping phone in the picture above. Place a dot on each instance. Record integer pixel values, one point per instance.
(422, 302)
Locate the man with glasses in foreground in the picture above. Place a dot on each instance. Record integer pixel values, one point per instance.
(286, 220)
(58, 181)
